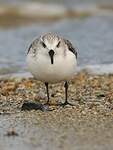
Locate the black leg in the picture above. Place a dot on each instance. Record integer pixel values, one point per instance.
(66, 95)
(66, 90)
(47, 90)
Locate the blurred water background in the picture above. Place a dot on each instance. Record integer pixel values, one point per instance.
(87, 23)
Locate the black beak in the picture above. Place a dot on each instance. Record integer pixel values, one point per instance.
(51, 54)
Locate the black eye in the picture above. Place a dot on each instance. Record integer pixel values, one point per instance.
(43, 44)
(58, 44)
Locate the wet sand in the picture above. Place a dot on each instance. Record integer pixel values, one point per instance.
(85, 126)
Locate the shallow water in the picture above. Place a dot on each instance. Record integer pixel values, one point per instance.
(93, 36)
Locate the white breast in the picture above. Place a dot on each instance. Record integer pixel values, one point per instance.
(62, 69)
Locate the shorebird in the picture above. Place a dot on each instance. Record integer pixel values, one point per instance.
(52, 59)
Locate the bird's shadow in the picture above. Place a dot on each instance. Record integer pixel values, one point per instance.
(28, 105)
(36, 106)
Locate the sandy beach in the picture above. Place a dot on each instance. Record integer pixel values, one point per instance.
(87, 125)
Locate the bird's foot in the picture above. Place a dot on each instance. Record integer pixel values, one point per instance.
(47, 104)
(66, 103)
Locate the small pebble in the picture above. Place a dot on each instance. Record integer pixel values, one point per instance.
(12, 132)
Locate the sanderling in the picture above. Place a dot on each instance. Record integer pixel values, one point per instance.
(52, 59)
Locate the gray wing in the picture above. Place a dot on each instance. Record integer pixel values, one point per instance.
(29, 48)
(70, 47)
(33, 45)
